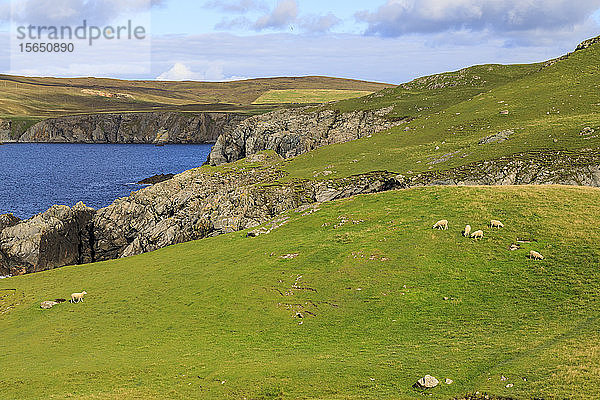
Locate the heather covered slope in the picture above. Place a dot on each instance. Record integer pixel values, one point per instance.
(385, 300)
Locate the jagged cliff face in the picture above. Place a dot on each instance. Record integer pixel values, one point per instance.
(156, 127)
(207, 202)
(293, 132)
(55, 238)
(4, 130)
(193, 205)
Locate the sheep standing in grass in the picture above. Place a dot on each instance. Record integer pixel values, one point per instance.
(477, 235)
(496, 224)
(443, 225)
(467, 231)
(77, 297)
(534, 255)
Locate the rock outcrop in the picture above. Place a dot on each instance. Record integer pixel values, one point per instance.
(581, 168)
(203, 202)
(58, 237)
(8, 220)
(153, 127)
(427, 382)
(153, 180)
(293, 132)
(4, 130)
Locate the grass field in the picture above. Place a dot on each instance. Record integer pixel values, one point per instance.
(51, 97)
(308, 96)
(214, 319)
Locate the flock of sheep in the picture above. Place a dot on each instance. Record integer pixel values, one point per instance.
(443, 225)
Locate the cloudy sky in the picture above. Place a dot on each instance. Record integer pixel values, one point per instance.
(381, 40)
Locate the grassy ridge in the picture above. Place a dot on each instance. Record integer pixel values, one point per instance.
(548, 107)
(49, 97)
(212, 319)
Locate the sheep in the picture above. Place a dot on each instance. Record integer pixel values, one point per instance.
(467, 231)
(443, 225)
(534, 255)
(496, 224)
(477, 235)
(77, 297)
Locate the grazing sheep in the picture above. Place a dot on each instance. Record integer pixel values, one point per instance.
(77, 297)
(496, 224)
(534, 255)
(467, 231)
(477, 235)
(443, 225)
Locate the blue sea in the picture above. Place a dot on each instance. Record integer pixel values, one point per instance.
(33, 177)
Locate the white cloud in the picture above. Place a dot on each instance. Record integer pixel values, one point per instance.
(4, 12)
(229, 24)
(75, 11)
(319, 23)
(213, 72)
(237, 6)
(401, 17)
(285, 13)
(179, 72)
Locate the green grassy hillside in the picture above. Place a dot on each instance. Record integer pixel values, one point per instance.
(385, 300)
(548, 108)
(51, 97)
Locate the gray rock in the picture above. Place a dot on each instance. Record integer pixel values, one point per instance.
(427, 382)
(8, 220)
(293, 132)
(498, 137)
(55, 238)
(535, 168)
(588, 43)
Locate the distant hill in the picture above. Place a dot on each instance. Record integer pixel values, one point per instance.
(52, 97)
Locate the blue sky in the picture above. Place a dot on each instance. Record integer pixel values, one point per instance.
(380, 40)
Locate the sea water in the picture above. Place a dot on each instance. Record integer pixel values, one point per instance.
(34, 177)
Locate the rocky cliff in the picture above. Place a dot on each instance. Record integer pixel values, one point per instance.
(292, 132)
(207, 202)
(55, 238)
(155, 127)
(4, 130)
(193, 205)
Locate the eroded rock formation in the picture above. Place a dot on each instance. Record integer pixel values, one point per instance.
(55, 238)
(293, 132)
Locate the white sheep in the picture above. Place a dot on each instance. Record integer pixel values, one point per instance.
(443, 225)
(496, 224)
(467, 231)
(77, 297)
(477, 235)
(534, 255)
